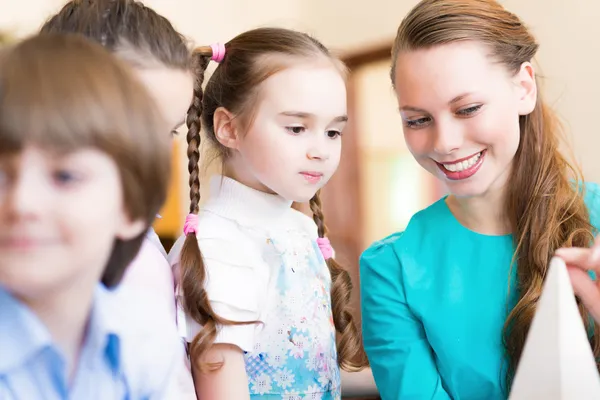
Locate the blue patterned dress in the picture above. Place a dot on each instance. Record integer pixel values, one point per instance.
(263, 263)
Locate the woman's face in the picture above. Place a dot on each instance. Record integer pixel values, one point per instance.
(460, 110)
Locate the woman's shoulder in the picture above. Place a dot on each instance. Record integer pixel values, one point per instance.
(429, 220)
(384, 248)
(591, 197)
(591, 194)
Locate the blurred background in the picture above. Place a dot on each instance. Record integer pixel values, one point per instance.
(378, 186)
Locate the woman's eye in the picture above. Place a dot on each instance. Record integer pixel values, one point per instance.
(417, 122)
(465, 112)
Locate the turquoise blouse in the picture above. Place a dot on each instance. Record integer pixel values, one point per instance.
(434, 299)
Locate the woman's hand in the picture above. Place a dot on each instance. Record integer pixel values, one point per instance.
(579, 261)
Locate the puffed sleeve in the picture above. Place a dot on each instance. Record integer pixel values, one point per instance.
(236, 282)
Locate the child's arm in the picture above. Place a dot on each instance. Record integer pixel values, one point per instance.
(400, 356)
(229, 382)
(236, 285)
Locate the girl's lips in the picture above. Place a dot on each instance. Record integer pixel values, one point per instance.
(311, 176)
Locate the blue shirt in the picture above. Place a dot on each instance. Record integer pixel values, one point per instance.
(120, 358)
(434, 301)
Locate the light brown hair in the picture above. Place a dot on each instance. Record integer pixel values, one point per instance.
(545, 209)
(64, 93)
(250, 59)
(127, 27)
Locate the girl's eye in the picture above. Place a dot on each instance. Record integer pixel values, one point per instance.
(65, 177)
(333, 134)
(295, 130)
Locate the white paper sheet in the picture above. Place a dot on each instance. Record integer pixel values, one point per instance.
(557, 362)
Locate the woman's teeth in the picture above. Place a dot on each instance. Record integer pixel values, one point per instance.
(463, 165)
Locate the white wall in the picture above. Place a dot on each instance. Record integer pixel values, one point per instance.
(203, 22)
(21, 17)
(561, 26)
(568, 32)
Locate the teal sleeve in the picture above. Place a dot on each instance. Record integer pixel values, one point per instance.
(400, 356)
(592, 202)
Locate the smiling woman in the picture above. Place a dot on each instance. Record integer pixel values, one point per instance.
(435, 296)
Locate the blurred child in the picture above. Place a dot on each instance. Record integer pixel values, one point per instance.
(159, 56)
(84, 167)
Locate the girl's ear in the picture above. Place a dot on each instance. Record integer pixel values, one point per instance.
(225, 129)
(130, 229)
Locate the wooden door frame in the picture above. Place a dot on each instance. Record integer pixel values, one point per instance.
(342, 199)
(373, 54)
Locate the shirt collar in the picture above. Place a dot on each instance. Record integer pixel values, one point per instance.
(232, 199)
(23, 335)
(103, 333)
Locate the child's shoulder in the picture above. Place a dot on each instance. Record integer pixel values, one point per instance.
(149, 344)
(220, 239)
(213, 224)
(217, 232)
(302, 222)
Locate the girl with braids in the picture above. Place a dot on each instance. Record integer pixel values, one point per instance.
(447, 303)
(160, 58)
(262, 293)
(84, 167)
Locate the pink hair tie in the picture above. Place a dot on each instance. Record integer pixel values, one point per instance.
(191, 224)
(218, 52)
(325, 247)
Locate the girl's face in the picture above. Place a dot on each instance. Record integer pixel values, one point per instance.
(461, 111)
(59, 217)
(293, 145)
(172, 90)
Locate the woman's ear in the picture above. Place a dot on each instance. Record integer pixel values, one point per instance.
(525, 80)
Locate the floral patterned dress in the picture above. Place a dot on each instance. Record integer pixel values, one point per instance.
(295, 356)
(263, 263)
